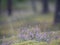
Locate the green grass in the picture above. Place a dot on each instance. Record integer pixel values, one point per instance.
(31, 42)
(29, 19)
(40, 18)
(53, 42)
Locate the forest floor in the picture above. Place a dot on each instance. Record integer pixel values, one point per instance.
(23, 18)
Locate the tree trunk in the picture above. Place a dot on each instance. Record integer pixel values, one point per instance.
(9, 5)
(0, 7)
(34, 5)
(57, 13)
(45, 6)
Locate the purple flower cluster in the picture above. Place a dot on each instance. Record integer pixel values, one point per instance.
(35, 33)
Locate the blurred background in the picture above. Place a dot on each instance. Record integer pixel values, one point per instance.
(29, 22)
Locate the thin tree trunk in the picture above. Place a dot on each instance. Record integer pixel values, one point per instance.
(34, 5)
(45, 6)
(57, 13)
(9, 5)
(0, 7)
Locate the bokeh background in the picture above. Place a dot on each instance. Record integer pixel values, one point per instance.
(29, 22)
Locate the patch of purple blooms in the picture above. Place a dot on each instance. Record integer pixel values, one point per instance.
(35, 33)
